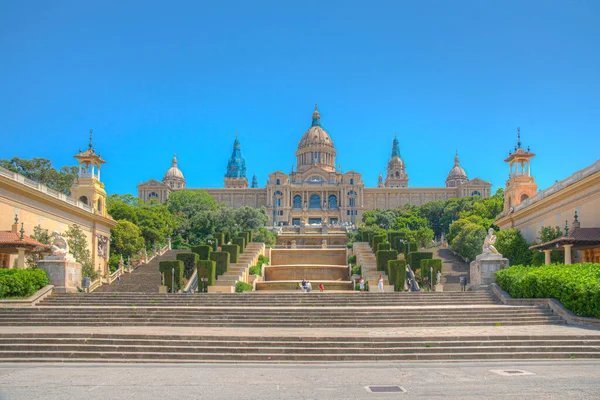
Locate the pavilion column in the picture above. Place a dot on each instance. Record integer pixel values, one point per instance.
(547, 257)
(21, 258)
(567, 248)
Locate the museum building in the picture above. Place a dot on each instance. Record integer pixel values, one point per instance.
(316, 191)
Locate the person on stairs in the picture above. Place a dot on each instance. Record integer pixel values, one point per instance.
(380, 283)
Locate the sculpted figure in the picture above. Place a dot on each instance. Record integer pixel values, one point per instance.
(60, 247)
(488, 243)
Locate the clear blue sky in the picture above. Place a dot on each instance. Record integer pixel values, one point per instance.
(153, 77)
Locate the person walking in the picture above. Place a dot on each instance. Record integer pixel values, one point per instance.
(308, 286)
(463, 283)
(321, 287)
(380, 283)
(304, 285)
(361, 284)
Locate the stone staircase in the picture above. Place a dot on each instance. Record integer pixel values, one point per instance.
(368, 262)
(144, 279)
(238, 272)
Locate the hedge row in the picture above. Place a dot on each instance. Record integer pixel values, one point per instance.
(375, 240)
(426, 265)
(220, 238)
(233, 250)
(397, 274)
(222, 260)
(384, 246)
(21, 282)
(240, 241)
(190, 260)
(414, 258)
(203, 251)
(207, 269)
(576, 286)
(383, 256)
(166, 267)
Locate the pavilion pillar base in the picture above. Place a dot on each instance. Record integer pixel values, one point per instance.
(64, 274)
(483, 270)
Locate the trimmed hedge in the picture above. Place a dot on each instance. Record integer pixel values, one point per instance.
(414, 247)
(384, 246)
(240, 241)
(414, 258)
(207, 269)
(366, 237)
(397, 274)
(376, 240)
(190, 260)
(220, 238)
(576, 286)
(248, 237)
(222, 260)
(233, 250)
(166, 267)
(383, 256)
(21, 282)
(426, 265)
(203, 251)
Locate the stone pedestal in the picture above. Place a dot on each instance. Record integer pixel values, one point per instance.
(162, 289)
(483, 270)
(438, 288)
(63, 272)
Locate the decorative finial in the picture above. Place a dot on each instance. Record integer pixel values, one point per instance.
(236, 135)
(395, 136)
(80, 150)
(566, 228)
(576, 216)
(519, 138)
(91, 146)
(22, 231)
(316, 107)
(16, 219)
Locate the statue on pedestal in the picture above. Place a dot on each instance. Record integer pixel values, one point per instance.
(60, 247)
(488, 243)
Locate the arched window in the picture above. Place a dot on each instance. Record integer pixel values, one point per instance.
(153, 195)
(332, 202)
(315, 201)
(397, 173)
(278, 182)
(475, 193)
(83, 199)
(352, 181)
(99, 205)
(297, 201)
(524, 197)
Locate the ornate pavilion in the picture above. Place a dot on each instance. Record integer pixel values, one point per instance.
(316, 191)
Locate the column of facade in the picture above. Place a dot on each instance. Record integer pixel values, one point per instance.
(567, 248)
(547, 257)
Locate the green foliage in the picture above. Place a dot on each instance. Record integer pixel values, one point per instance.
(426, 265)
(240, 241)
(414, 258)
(352, 259)
(203, 251)
(21, 282)
(166, 267)
(468, 239)
(546, 234)
(512, 245)
(396, 272)
(42, 236)
(405, 248)
(241, 287)
(41, 170)
(384, 246)
(219, 237)
(357, 270)
(576, 286)
(207, 269)
(190, 261)
(349, 245)
(262, 260)
(248, 237)
(383, 256)
(376, 240)
(113, 262)
(222, 260)
(78, 247)
(255, 270)
(265, 236)
(126, 239)
(233, 250)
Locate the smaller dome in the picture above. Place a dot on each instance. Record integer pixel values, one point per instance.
(457, 172)
(173, 172)
(457, 175)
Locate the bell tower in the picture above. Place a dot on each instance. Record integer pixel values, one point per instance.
(520, 184)
(88, 188)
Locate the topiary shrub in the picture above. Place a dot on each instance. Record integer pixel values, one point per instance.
(248, 237)
(240, 241)
(207, 269)
(384, 246)
(233, 250)
(166, 267)
(376, 240)
(242, 287)
(222, 260)
(414, 258)
(21, 282)
(383, 256)
(220, 238)
(352, 259)
(366, 237)
(190, 261)
(397, 274)
(350, 245)
(203, 251)
(426, 265)
(255, 270)
(262, 260)
(357, 270)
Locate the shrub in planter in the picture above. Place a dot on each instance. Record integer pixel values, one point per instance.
(352, 259)
(414, 258)
(262, 260)
(207, 269)
(203, 251)
(350, 245)
(190, 260)
(222, 260)
(233, 250)
(397, 274)
(384, 246)
(166, 267)
(242, 287)
(220, 238)
(255, 270)
(426, 265)
(376, 240)
(383, 256)
(22, 282)
(248, 237)
(240, 241)
(357, 270)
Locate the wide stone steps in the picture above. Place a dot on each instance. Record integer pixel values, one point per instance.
(46, 347)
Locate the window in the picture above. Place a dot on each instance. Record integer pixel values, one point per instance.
(297, 201)
(278, 182)
(152, 195)
(99, 205)
(475, 193)
(315, 201)
(295, 221)
(83, 199)
(332, 202)
(352, 181)
(280, 212)
(524, 197)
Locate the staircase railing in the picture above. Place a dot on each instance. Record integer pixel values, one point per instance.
(192, 284)
(411, 282)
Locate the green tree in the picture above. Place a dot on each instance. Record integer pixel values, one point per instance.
(41, 170)
(126, 239)
(512, 245)
(77, 241)
(468, 240)
(42, 236)
(547, 234)
(264, 235)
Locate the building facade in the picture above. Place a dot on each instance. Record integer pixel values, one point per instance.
(317, 191)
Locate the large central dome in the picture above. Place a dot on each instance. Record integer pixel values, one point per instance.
(316, 147)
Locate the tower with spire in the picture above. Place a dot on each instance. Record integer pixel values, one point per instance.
(520, 184)
(88, 188)
(396, 176)
(235, 177)
(254, 181)
(174, 177)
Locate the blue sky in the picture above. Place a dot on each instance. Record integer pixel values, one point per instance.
(152, 78)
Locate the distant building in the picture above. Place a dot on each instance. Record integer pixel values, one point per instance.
(316, 191)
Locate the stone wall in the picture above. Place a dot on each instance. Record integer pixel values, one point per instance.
(308, 256)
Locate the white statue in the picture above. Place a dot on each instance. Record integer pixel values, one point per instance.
(60, 247)
(488, 243)
(438, 278)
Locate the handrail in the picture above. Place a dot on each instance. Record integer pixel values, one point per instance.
(410, 280)
(192, 284)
